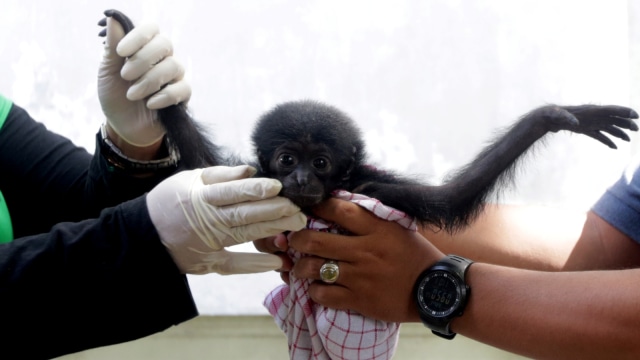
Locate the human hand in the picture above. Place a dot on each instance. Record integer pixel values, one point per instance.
(379, 263)
(198, 213)
(277, 245)
(137, 76)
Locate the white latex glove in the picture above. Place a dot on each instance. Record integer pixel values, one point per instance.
(137, 76)
(198, 213)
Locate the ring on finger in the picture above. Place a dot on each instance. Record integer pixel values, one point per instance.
(329, 272)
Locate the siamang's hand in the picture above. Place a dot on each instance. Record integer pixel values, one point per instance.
(590, 120)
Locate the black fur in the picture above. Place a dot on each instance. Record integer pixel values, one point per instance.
(285, 137)
(196, 150)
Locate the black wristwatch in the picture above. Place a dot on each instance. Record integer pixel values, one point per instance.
(117, 160)
(442, 294)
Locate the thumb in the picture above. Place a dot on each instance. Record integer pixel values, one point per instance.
(115, 32)
(226, 262)
(249, 263)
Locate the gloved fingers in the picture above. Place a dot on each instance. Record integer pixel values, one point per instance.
(237, 191)
(146, 57)
(249, 263)
(172, 94)
(227, 263)
(166, 71)
(257, 211)
(251, 232)
(136, 39)
(220, 174)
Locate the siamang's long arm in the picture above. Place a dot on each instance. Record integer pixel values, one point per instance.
(196, 150)
(461, 197)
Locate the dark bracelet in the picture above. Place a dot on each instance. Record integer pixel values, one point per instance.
(119, 161)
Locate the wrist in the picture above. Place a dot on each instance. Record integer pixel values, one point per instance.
(165, 158)
(442, 293)
(141, 153)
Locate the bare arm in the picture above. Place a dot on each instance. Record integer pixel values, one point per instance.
(540, 238)
(566, 315)
(534, 313)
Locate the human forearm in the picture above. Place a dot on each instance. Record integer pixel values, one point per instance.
(578, 315)
(41, 172)
(539, 238)
(108, 186)
(93, 276)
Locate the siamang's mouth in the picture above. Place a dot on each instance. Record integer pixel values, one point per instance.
(303, 200)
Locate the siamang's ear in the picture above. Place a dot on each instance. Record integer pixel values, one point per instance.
(352, 164)
(263, 163)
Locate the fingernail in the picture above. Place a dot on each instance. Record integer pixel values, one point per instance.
(252, 171)
(280, 241)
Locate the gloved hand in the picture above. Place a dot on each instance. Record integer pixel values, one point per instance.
(198, 213)
(137, 76)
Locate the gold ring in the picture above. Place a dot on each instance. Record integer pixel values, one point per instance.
(329, 272)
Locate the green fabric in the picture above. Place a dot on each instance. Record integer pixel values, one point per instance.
(5, 106)
(6, 230)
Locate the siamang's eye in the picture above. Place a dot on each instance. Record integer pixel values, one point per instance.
(320, 163)
(286, 160)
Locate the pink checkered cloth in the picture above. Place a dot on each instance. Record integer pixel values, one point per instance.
(316, 332)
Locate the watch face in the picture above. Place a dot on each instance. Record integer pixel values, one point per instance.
(439, 294)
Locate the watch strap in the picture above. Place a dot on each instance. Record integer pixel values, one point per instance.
(117, 160)
(458, 263)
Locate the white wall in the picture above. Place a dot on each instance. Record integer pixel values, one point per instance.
(429, 81)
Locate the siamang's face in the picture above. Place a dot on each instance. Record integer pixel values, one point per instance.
(307, 172)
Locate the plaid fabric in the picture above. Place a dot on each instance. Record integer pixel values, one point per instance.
(317, 332)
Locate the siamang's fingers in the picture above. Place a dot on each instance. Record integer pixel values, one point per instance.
(621, 122)
(602, 138)
(625, 123)
(614, 131)
(103, 32)
(632, 114)
(614, 111)
(127, 24)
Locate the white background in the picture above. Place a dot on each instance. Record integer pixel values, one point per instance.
(429, 82)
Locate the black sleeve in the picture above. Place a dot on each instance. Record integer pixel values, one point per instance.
(46, 179)
(89, 284)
